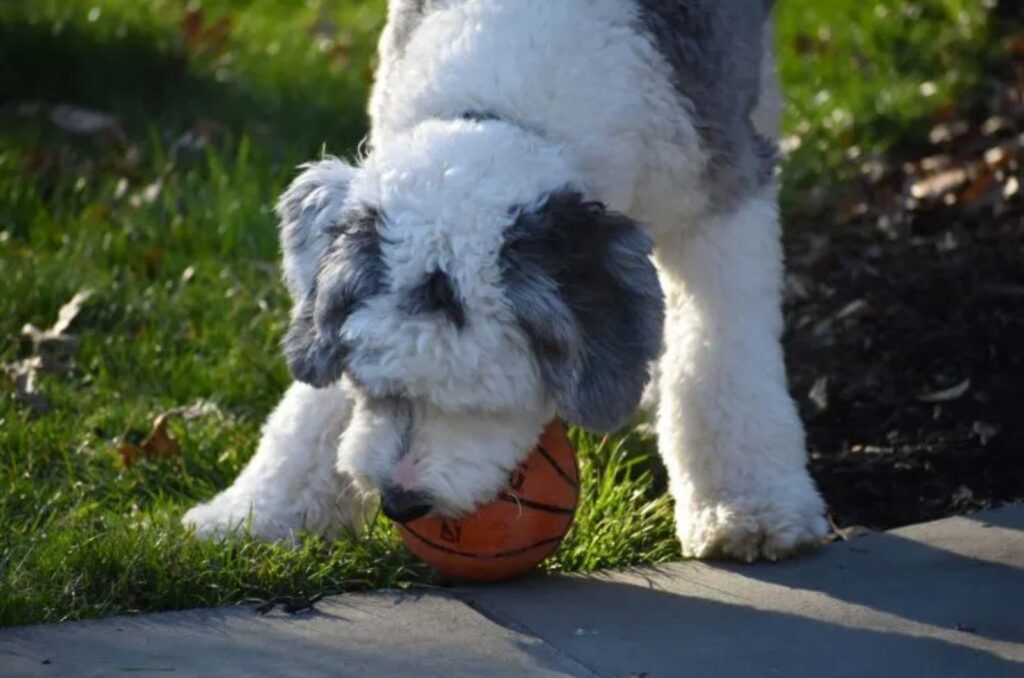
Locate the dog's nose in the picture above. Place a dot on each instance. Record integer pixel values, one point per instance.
(402, 505)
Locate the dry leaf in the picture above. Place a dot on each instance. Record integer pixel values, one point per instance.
(1011, 189)
(54, 346)
(69, 311)
(159, 444)
(199, 37)
(200, 408)
(52, 350)
(948, 131)
(853, 309)
(148, 195)
(985, 431)
(982, 184)
(25, 373)
(818, 394)
(947, 394)
(129, 453)
(848, 533)
(937, 185)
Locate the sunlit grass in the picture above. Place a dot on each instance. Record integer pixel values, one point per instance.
(177, 241)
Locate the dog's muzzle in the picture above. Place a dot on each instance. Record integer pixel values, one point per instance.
(403, 506)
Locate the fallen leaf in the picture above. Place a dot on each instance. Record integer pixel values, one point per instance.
(848, 533)
(200, 408)
(937, 185)
(51, 351)
(818, 394)
(1011, 189)
(933, 163)
(854, 308)
(982, 184)
(69, 311)
(200, 38)
(54, 346)
(159, 444)
(962, 495)
(54, 351)
(129, 454)
(148, 195)
(25, 373)
(948, 131)
(985, 431)
(121, 189)
(995, 124)
(947, 394)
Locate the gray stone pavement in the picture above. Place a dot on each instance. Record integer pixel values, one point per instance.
(387, 634)
(940, 599)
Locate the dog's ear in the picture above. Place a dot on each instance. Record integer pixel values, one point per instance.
(582, 286)
(348, 272)
(308, 210)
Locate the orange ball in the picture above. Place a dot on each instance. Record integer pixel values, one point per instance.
(512, 534)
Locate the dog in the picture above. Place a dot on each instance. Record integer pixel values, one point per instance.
(563, 208)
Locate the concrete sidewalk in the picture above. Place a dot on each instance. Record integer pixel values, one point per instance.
(941, 599)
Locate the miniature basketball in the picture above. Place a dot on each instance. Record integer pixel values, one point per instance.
(512, 534)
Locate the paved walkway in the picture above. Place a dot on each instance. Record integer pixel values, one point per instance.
(941, 599)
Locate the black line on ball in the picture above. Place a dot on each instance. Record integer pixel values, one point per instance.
(546, 508)
(480, 556)
(558, 469)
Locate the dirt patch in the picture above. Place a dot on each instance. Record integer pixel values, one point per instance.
(905, 324)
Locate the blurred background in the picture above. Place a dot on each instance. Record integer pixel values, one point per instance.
(142, 145)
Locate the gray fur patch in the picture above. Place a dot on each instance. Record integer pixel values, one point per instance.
(582, 286)
(715, 48)
(306, 209)
(404, 17)
(400, 412)
(436, 295)
(351, 271)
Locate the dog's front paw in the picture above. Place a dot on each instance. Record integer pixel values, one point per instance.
(770, 523)
(219, 519)
(336, 509)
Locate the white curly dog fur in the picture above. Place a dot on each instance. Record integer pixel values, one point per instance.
(475, 274)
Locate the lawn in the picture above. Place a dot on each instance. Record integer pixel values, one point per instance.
(163, 212)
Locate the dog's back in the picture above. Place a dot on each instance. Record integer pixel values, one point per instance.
(643, 90)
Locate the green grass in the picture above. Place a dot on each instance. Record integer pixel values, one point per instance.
(187, 305)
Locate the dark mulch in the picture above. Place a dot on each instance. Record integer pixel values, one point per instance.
(905, 325)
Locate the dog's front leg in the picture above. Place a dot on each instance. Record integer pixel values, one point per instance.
(291, 484)
(728, 431)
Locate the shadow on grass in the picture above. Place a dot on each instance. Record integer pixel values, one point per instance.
(146, 86)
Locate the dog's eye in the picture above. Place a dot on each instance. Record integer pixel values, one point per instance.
(436, 294)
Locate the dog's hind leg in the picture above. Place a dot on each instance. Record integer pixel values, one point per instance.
(291, 484)
(728, 431)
